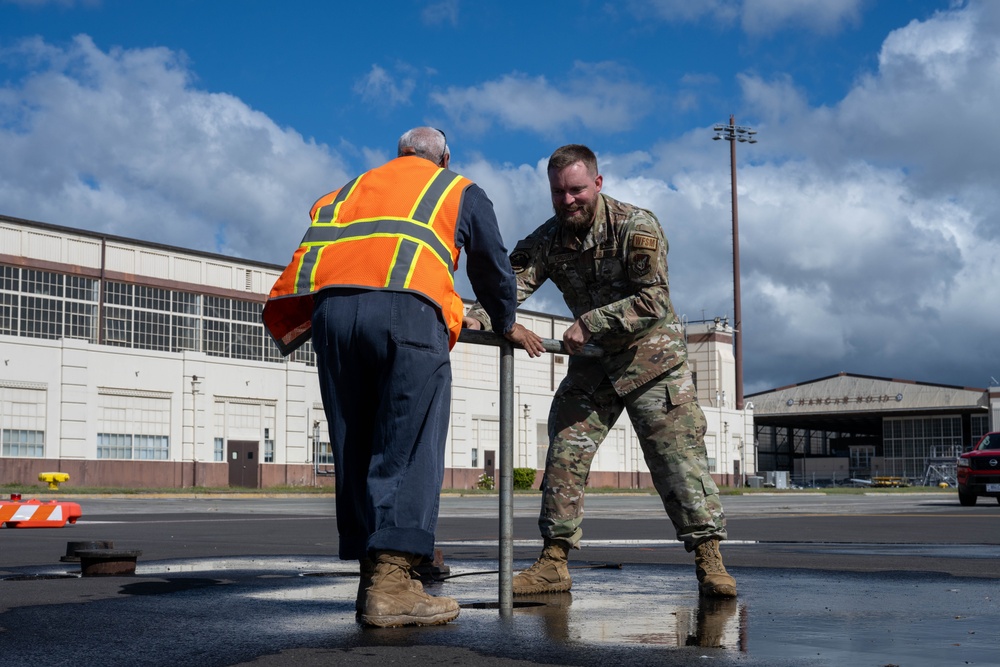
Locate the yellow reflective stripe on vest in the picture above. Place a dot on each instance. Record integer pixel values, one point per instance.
(402, 265)
(329, 212)
(433, 196)
(305, 276)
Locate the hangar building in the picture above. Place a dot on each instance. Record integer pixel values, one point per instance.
(133, 364)
(847, 426)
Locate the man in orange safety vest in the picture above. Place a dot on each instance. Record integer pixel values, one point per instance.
(373, 285)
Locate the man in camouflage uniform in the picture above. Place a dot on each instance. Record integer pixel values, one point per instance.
(609, 260)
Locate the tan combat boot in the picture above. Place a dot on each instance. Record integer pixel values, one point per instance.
(713, 580)
(549, 574)
(367, 572)
(392, 600)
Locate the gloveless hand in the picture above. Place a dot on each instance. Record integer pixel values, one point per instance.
(529, 340)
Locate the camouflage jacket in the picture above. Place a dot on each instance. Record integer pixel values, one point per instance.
(615, 282)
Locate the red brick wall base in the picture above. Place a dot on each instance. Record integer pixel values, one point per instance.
(187, 475)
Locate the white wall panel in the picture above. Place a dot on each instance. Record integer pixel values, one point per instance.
(10, 240)
(154, 264)
(219, 275)
(44, 246)
(187, 270)
(118, 258)
(83, 252)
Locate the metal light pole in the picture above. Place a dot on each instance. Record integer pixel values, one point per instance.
(736, 133)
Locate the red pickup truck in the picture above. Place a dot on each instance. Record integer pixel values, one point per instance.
(979, 471)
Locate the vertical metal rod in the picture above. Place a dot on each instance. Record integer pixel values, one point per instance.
(506, 482)
(506, 592)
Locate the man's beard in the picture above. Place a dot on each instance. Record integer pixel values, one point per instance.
(578, 220)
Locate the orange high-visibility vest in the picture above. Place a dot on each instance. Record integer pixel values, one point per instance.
(391, 228)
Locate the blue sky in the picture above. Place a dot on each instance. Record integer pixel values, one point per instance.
(869, 229)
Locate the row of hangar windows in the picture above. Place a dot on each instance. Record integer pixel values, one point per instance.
(51, 305)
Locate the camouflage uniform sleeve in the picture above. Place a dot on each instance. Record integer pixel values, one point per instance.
(645, 259)
(528, 262)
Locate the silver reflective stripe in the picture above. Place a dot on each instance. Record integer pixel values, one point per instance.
(324, 234)
(303, 280)
(325, 213)
(401, 266)
(435, 191)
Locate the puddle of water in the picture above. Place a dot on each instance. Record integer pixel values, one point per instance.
(625, 619)
(781, 616)
(271, 564)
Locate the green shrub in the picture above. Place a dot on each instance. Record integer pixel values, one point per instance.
(485, 482)
(524, 478)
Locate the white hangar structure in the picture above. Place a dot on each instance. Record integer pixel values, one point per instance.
(850, 426)
(132, 364)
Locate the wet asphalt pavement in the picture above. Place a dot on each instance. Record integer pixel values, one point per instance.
(908, 580)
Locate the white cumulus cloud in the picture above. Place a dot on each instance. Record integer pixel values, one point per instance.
(756, 17)
(595, 97)
(379, 87)
(123, 142)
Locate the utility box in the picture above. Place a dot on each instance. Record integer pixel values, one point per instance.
(776, 479)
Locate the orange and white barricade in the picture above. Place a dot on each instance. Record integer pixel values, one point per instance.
(17, 513)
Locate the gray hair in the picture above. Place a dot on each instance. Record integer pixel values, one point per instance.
(425, 142)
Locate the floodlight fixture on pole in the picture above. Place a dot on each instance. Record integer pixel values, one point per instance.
(734, 133)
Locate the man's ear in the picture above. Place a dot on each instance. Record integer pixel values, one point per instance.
(445, 160)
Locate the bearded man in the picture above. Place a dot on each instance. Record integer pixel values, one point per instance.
(609, 260)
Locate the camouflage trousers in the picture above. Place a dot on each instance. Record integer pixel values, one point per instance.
(672, 438)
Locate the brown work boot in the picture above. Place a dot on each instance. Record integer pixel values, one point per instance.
(549, 574)
(367, 572)
(392, 600)
(713, 580)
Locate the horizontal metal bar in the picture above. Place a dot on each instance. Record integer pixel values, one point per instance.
(476, 337)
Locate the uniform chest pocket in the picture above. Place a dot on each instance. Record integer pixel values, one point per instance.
(564, 270)
(609, 267)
